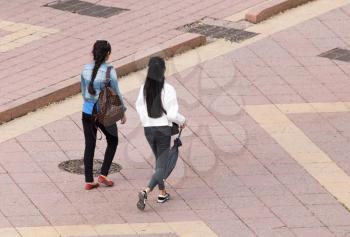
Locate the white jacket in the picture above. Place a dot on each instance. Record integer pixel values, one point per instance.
(170, 105)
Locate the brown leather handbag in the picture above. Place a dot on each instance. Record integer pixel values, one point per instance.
(110, 106)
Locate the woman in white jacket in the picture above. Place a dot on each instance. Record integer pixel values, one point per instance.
(157, 107)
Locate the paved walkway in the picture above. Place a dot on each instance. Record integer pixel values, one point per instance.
(53, 45)
(247, 168)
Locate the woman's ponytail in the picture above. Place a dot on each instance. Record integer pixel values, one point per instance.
(100, 52)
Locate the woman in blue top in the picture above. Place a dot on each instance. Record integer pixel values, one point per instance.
(92, 81)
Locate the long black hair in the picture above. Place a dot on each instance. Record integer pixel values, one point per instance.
(154, 84)
(100, 52)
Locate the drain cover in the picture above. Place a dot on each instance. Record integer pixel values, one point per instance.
(77, 167)
(337, 54)
(85, 8)
(219, 29)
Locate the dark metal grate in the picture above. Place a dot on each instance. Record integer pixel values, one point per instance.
(337, 54)
(217, 31)
(85, 8)
(77, 167)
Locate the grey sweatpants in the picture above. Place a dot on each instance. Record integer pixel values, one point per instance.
(159, 139)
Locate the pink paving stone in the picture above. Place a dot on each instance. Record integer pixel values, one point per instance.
(206, 204)
(35, 135)
(255, 169)
(40, 146)
(279, 200)
(96, 208)
(181, 215)
(261, 224)
(148, 216)
(237, 191)
(19, 210)
(39, 188)
(223, 181)
(67, 220)
(294, 210)
(49, 156)
(28, 221)
(86, 197)
(4, 222)
(254, 212)
(10, 146)
(317, 199)
(16, 167)
(258, 180)
(5, 179)
(192, 194)
(313, 232)
(190, 182)
(103, 218)
(176, 204)
(331, 214)
(301, 221)
(340, 230)
(120, 197)
(216, 215)
(231, 228)
(243, 202)
(268, 190)
(35, 177)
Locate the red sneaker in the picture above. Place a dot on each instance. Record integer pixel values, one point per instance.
(91, 186)
(105, 181)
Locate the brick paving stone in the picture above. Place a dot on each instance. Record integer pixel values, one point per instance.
(279, 200)
(67, 220)
(313, 232)
(301, 221)
(206, 204)
(230, 228)
(216, 215)
(295, 210)
(317, 199)
(262, 225)
(243, 202)
(25, 221)
(254, 212)
(331, 214)
(340, 230)
(34, 177)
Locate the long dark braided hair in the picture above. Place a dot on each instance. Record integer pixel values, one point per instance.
(100, 52)
(153, 87)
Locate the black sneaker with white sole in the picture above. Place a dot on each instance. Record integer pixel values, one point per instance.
(163, 198)
(141, 204)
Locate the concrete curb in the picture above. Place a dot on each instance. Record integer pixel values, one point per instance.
(271, 8)
(71, 86)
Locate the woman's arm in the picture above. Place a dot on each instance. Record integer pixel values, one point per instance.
(140, 106)
(172, 107)
(115, 86)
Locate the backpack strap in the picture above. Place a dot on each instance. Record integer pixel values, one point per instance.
(108, 75)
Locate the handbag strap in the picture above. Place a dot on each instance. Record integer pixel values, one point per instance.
(108, 75)
(179, 133)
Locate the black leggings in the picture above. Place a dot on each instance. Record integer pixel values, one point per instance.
(159, 139)
(90, 132)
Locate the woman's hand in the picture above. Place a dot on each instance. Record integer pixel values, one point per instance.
(123, 120)
(183, 125)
